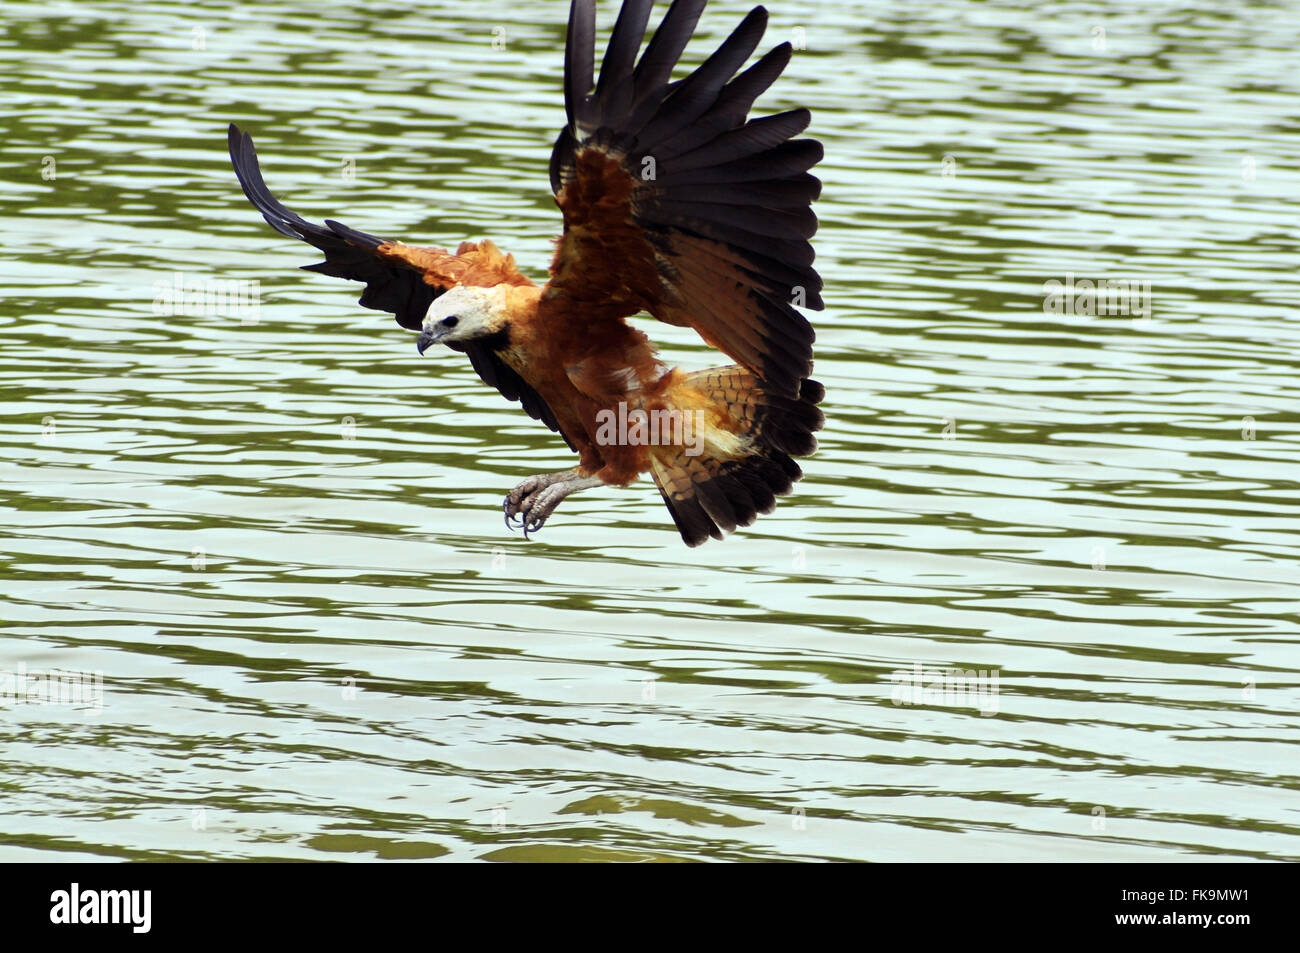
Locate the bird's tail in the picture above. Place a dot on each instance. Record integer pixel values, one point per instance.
(743, 457)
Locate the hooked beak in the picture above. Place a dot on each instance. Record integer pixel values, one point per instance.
(427, 337)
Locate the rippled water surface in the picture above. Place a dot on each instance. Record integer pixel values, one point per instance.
(280, 540)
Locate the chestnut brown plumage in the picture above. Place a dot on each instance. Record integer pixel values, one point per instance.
(674, 204)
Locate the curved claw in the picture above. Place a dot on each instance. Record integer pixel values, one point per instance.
(532, 502)
(526, 516)
(518, 497)
(538, 509)
(528, 513)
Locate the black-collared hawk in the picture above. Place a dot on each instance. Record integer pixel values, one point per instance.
(676, 204)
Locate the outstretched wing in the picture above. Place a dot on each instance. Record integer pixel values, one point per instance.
(677, 205)
(400, 279)
(391, 285)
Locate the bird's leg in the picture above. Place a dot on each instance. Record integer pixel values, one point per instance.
(532, 501)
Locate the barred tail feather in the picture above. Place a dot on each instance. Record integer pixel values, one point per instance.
(709, 495)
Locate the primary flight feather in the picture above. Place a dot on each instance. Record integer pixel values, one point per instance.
(675, 204)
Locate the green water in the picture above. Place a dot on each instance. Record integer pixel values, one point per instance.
(280, 540)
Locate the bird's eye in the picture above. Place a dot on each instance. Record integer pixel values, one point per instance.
(450, 322)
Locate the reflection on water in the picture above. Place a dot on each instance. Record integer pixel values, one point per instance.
(279, 538)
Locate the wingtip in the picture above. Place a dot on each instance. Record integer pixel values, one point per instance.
(241, 147)
(579, 56)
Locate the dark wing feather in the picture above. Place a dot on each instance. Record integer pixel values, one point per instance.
(400, 279)
(348, 253)
(676, 204)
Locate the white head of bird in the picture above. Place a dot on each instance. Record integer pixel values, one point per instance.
(464, 313)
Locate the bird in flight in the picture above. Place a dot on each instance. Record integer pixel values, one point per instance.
(676, 204)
